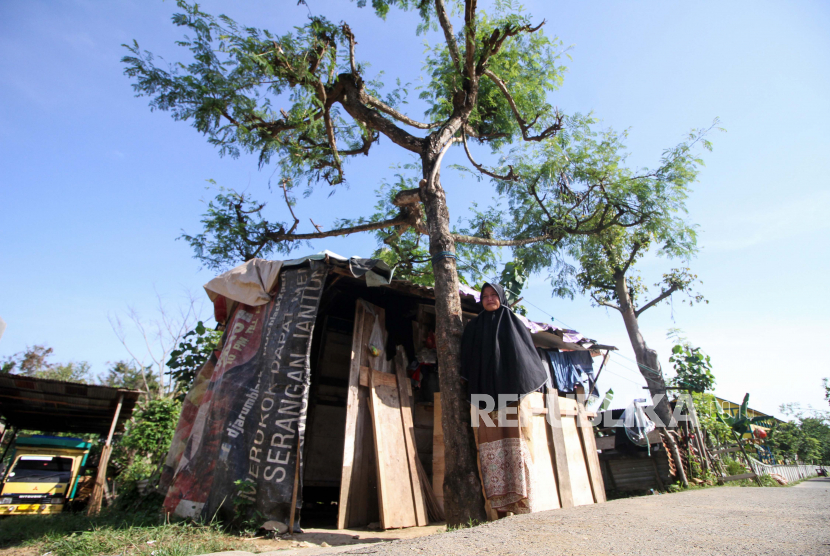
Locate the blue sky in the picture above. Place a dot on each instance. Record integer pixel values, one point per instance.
(95, 188)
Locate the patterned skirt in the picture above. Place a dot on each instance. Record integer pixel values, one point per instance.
(506, 460)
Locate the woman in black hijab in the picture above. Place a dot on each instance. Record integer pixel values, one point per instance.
(497, 352)
(498, 357)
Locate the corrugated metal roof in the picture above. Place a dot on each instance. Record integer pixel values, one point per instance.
(55, 406)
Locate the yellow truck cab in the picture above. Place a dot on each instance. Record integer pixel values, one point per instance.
(43, 476)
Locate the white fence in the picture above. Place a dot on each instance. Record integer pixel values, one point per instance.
(789, 472)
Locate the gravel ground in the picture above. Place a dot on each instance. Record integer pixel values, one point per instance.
(725, 520)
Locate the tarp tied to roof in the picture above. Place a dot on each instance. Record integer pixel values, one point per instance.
(252, 283)
(249, 283)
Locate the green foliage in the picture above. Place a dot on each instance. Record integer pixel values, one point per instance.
(602, 213)
(246, 518)
(706, 408)
(693, 368)
(114, 532)
(513, 278)
(146, 440)
(191, 355)
(34, 361)
(733, 467)
(805, 439)
(232, 232)
(606, 401)
(740, 422)
(528, 62)
(124, 374)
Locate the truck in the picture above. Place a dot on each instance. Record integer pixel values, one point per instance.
(43, 476)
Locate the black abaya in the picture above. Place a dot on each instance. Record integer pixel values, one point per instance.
(498, 356)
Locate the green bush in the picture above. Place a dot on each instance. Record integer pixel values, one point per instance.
(734, 467)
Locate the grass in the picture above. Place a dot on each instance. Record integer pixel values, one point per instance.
(114, 532)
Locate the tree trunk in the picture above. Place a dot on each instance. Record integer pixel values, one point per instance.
(463, 499)
(649, 367)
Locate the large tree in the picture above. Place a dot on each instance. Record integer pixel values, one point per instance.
(487, 84)
(603, 264)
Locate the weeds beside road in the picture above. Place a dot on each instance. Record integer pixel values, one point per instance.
(112, 532)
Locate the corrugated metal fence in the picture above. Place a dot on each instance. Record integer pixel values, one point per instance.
(789, 472)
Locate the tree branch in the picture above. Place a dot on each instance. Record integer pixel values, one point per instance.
(631, 257)
(291, 210)
(656, 300)
(605, 303)
(523, 125)
(475, 240)
(511, 176)
(494, 42)
(350, 36)
(280, 235)
(449, 33)
(349, 92)
(386, 109)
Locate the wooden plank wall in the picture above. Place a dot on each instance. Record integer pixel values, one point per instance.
(582, 477)
(380, 479)
(358, 504)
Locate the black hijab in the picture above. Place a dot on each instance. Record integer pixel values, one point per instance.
(497, 354)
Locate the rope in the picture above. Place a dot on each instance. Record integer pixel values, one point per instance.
(443, 255)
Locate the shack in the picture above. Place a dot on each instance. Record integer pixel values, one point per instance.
(322, 399)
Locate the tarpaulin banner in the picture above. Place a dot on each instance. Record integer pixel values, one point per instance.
(240, 459)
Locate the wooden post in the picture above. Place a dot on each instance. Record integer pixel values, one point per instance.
(296, 485)
(6, 450)
(589, 447)
(599, 372)
(699, 436)
(352, 409)
(405, 394)
(103, 461)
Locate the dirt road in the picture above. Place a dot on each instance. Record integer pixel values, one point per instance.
(725, 520)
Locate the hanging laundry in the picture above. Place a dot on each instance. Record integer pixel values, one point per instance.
(569, 367)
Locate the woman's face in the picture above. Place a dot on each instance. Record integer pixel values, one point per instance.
(490, 299)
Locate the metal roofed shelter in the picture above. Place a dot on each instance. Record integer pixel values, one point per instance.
(56, 406)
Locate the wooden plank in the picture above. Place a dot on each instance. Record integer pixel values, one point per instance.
(358, 485)
(545, 495)
(103, 461)
(739, 477)
(433, 509)
(293, 511)
(580, 483)
(438, 454)
(727, 450)
(405, 395)
(352, 407)
(395, 496)
(556, 440)
(589, 449)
